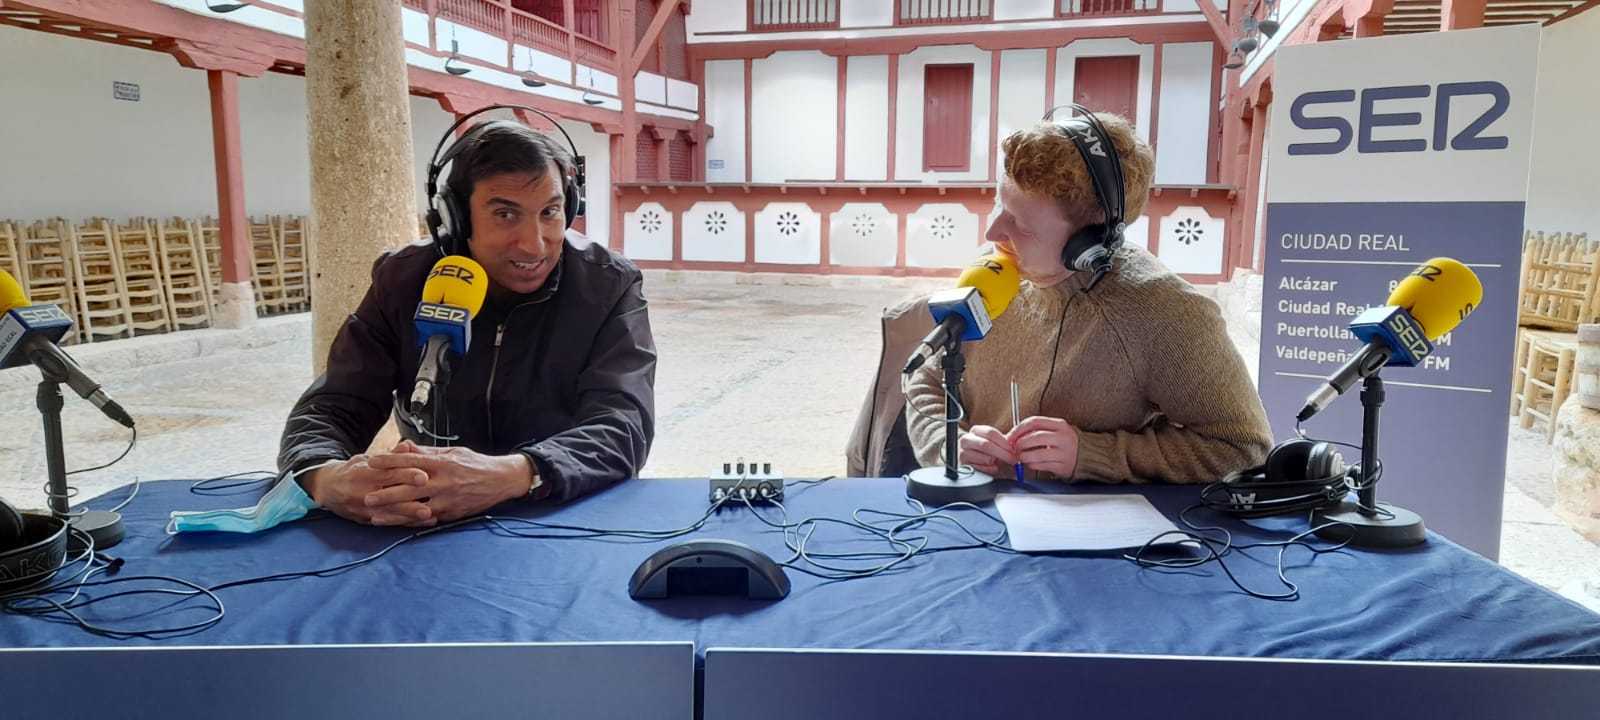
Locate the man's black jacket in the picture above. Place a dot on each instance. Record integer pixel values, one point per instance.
(565, 375)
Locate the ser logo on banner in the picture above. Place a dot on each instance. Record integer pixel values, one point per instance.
(1322, 110)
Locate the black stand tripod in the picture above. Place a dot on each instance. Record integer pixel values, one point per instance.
(1374, 524)
(938, 486)
(102, 525)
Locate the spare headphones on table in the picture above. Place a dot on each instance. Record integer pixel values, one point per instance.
(449, 216)
(1299, 475)
(1091, 248)
(32, 547)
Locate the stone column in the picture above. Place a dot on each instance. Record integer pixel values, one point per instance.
(363, 193)
(1577, 444)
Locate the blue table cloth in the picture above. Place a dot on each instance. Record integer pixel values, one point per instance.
(480, 583)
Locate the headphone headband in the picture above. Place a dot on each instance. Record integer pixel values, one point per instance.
(1100, 156)
(448, 218)
(1091, 247)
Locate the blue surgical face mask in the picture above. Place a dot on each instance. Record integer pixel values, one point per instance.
(286, 501)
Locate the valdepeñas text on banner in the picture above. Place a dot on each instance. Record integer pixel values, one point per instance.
(1386, 152)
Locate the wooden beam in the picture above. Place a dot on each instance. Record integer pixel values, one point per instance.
(1574, 11)
(1219, 27)
(651, 35)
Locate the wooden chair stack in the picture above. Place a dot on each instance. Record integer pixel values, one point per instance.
(10, 257)
(1559, 286)
(184, 276)
(210, 232)
(46, 249)
(102, 295)
(142, 279)
(295, 235)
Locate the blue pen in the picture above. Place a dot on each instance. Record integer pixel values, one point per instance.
(1016, 418)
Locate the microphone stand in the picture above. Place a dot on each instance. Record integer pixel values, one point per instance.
(103, 525)
(939, 486)
(1373, 525)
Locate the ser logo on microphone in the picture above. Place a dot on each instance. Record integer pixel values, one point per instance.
(455, 271)
(41, 315)
(1409, 333)
(1428, 272)
(446, 313)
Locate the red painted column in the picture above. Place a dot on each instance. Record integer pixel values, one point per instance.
(233, 225)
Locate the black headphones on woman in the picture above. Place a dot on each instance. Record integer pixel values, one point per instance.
(1091, 248)
(449, 216)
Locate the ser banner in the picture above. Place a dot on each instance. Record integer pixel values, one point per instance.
(1385, 152)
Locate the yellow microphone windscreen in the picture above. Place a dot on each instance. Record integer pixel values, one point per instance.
(11, 293)
(996, 278)
(457, 280)
(1439, 294)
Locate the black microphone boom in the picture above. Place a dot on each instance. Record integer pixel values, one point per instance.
(31, 333)
(1364, 363)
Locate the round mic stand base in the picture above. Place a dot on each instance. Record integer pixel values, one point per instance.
(103, 525)
(932, 487)
(1389, 527)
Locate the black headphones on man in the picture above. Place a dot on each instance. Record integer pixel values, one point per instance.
(1300, 475)
(1091, 248)
(449, 216)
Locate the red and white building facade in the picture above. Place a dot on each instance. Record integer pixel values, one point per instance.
(849, 137)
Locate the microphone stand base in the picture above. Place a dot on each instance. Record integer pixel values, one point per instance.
(103, 525)
(930, 486)
(1391, 527)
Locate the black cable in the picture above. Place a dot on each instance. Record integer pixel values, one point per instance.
(797, 536)
(1227, 546)
(72, 492)
(215, 486)
(133, 437)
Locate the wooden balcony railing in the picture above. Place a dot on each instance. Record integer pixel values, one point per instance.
(786, 15)
(500, 19)
(942, 12)
(1107, 8)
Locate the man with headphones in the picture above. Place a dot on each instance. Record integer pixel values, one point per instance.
(1124, 372)
(554, 397)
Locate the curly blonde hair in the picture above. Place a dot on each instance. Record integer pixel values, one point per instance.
(1043, 162)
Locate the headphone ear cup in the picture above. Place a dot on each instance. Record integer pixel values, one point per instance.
(573, 204)
(1290, 461)
(1080, 251)
(454, 224)
(1324, 462)
(10, 527)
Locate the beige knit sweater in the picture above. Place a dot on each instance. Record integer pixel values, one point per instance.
(1145, 371)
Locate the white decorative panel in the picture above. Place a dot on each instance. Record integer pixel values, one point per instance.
(1191, 241)
(1138, 232)
(942, 235)
(713, 231)
(864, 235)
(647, 233)
(789, 232)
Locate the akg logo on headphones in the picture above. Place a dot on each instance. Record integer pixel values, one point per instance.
(1245, 501)
(1090, 139)
(455, 271)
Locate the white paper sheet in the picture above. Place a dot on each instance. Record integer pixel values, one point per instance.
(1042, 523)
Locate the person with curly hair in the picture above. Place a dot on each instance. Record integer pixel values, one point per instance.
(1131, 380)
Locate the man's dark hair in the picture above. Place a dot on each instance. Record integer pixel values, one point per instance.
(500, 147)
